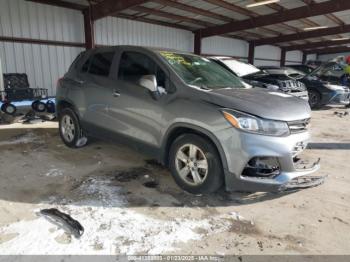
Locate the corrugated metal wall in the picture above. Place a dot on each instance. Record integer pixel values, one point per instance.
(43, 64)
(224, 46)
(294, 57)
(118, 31)
(331, 56)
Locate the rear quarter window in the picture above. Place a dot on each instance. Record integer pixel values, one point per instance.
(100, 64)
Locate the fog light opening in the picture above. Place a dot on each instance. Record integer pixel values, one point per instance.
(263, 167)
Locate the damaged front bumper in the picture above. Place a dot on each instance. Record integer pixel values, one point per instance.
(268, 164)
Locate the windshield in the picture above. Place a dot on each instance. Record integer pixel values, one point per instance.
(201, 72)
(240, 68)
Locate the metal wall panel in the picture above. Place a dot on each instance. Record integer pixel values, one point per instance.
(118, 31)
(327, 57)
(294, 57)
(43, 64)
(217, 45)
(19, 18)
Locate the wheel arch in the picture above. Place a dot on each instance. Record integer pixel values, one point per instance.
(62, 104)
(179, 129)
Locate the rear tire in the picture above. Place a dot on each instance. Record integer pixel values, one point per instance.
(314, 99)
(70, 130)
(195, 164)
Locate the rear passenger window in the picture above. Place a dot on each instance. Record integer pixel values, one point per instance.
(101, 63)
(135, 65)
(85, 67)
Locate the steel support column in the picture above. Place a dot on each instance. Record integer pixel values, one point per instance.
(251, 53)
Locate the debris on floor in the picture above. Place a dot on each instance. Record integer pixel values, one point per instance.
(303, 182)
(64, 221)
(151, 184)
(341, 114)
(130, 174)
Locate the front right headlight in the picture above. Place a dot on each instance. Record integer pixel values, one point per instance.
(256, 125)
(334, 87)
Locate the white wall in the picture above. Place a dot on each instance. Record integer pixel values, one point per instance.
(43, 64)
(294, 57)
(331, 56)
(311, 57)
(267, 55)
(118, 31)
(217, 45)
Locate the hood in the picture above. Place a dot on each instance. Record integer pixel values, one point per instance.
(261, 102)
(263, 78)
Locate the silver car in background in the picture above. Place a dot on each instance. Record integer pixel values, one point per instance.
(191, 114)
(260, 78)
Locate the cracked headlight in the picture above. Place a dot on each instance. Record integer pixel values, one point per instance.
(256, 125)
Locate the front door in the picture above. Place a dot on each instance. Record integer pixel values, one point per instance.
(139, 116)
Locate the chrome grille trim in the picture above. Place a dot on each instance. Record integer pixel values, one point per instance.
(299, 125)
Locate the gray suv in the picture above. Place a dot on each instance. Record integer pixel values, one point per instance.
(191, 114)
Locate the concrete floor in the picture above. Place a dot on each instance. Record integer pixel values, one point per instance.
(104, 187)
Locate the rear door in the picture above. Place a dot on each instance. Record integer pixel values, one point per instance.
(98, 89)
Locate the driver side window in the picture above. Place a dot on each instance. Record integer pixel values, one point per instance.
(134, 65)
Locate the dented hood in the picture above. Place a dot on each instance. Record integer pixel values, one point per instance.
(266, 104)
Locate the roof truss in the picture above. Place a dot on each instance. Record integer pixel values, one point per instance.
(322, 8)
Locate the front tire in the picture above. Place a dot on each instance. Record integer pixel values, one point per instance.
(314, 99)
(70, 130)
(195, 164)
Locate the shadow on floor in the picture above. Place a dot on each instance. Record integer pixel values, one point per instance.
(329, 146)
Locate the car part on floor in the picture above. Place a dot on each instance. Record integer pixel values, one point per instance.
(50, 107)
(38, 106)
(63, 220)
(8, 108)
(303, 182)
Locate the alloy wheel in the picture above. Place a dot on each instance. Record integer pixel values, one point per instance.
(191, 164)
(68, 128)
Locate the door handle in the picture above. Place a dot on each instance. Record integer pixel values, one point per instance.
(116, 93)
(80, 82)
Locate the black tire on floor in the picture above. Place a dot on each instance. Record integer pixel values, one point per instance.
(38, 106)
(8, 108)
(50, 107)
(314, 99)
(215, 176)
(75, 140)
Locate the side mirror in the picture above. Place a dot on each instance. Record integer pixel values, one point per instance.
(150, 82)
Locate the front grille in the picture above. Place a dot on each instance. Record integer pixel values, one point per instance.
(299, 126)
(291, 86)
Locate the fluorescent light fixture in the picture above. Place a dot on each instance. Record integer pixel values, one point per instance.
(266, 2)
(315, 28)
(340, 39)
